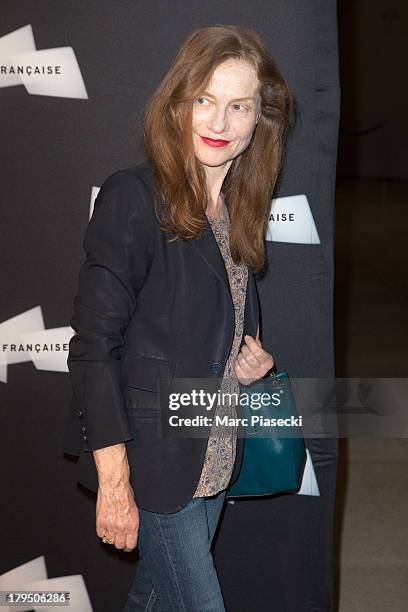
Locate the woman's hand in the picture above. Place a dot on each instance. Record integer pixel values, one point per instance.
(117, 516)
(253, 361)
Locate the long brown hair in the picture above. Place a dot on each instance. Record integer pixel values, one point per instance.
(249, 183)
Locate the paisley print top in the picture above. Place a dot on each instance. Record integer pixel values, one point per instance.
(220, 454)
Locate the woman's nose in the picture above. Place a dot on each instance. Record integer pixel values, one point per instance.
(218, 121)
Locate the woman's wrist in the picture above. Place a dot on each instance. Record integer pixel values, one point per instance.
(112, 466)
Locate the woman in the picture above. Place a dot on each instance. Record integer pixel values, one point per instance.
(167, 292)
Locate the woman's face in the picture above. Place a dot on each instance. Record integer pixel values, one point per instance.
(224, 116)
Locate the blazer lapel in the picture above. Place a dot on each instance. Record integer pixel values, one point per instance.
(207, 247)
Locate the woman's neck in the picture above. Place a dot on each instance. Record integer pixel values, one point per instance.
(218, 211)
(215, 178)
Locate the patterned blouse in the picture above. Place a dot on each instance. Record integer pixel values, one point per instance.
(220, 454)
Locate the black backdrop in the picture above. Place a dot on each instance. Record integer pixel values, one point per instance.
(273, 554)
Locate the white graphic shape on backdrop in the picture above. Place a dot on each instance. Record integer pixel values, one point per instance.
(94, 193)
(18, 49)
(54, 358)
(19, 41)
(309, 484)
(24, 338)
(15, 579)
(74, 585)
(10, 334)
(32, 576)
(291, 220)
(68, 84)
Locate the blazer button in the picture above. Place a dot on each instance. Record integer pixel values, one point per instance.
(83, 428)
(85, 437)
(216, 368)
(79, 412)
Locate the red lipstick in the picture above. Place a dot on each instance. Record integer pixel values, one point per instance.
(214, 142)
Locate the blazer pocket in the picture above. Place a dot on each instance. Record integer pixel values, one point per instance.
(144, 377)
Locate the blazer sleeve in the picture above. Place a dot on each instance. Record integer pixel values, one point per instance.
(118, 243)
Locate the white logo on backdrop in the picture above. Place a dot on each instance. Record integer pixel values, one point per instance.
(44, 72)
(291, 220)
(32, 576)
(94, 193)
(24, 338)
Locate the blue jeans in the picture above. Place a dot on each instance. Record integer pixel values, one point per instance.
(176, 570)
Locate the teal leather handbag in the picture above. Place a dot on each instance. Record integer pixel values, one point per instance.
(274, 457)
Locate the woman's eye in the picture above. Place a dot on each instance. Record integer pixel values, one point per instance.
(240, 108)
(199, 100)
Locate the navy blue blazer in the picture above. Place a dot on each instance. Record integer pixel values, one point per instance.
(146, 308)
